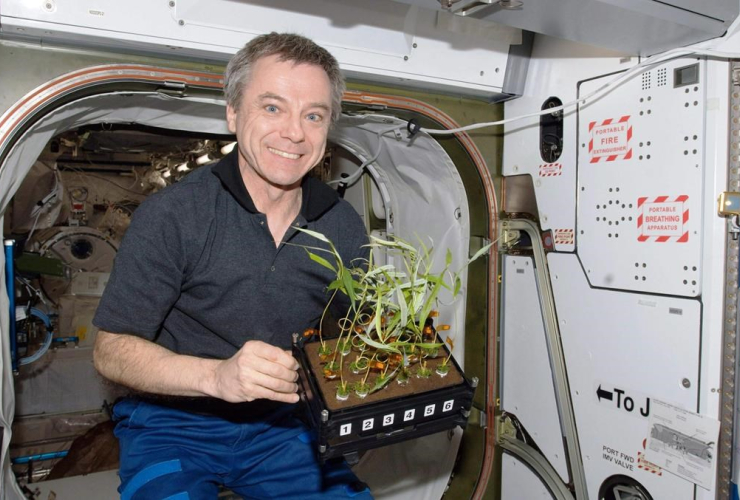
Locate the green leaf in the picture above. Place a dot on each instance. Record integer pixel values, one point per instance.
(321, 260)
(378, 345)
(403, 306)
(382, 382)
(458, 285)
(421, 345)
(480, 252)
(315, 234)
(334, 285)
(395, 243)
(348, 286)
(448, 258)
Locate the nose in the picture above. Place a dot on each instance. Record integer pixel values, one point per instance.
(293, 128)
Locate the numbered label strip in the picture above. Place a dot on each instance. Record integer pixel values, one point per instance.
(404, 416)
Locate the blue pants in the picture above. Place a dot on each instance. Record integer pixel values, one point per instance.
(169, 454)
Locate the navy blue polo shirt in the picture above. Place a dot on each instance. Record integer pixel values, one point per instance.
(198, 272)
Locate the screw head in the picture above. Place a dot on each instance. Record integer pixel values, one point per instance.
(686, 383)
(405, 58)
(324, 415)
(172, 4)
(181, 22)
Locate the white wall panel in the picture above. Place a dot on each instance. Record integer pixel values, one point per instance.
(632, 346)
(527, 385)
(640, 167)
(518, 482)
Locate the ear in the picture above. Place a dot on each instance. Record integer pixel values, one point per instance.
(231, 119)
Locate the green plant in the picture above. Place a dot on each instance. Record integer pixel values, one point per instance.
(331, 370)
(423, 371)
(359, 365)
(443, 368)
(403, 376)
(362, 389)
(325, 350)
(343, 391)
(391, 307)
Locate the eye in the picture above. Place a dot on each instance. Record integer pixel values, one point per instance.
(315, 117)
(271, 108)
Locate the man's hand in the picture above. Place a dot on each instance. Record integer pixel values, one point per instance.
(257, 371)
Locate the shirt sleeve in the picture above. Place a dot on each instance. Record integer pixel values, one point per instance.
(147, 272)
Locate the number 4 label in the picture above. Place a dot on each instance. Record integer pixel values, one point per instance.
(368, 424)
(408, 415)
(345, 429)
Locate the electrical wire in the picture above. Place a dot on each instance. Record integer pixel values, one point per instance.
(47, 341)
(598, 93)
(81, 172)
(49, 199)
(349, 181)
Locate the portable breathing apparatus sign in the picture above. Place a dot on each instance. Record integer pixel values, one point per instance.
(610, 140)
(663, 219)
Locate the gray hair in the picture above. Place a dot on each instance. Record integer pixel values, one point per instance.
(288, 47)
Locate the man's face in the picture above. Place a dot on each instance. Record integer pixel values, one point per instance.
(283, 121)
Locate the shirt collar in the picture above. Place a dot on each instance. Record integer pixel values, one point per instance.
(317, 197)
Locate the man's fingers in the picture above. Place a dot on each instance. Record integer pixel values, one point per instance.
(278, 396)
(273, 384)
(272, 353)
(277, 371)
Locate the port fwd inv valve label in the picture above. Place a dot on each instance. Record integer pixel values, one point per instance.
(663, 219)
(683, 443)
(610, 140)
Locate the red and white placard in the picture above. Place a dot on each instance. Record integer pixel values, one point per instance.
(610, 139)
(663, 219)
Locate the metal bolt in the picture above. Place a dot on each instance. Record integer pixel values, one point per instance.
(295, 338)
(324, 415)
(686, 383)
(181, 22)
(474, 381)
(172, 4)
(322, 448)
(414, 45)
(405, 58)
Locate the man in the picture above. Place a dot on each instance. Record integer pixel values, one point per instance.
(210, 282)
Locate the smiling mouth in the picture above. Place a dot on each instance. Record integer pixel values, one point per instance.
(284, 154)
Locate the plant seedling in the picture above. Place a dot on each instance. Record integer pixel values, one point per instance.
(343, 391)
(331, 370)
(325, 351)
(362, 389)
(403, 376)
(359, 365)
(423, 371)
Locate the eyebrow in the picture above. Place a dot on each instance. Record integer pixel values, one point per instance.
(270, 95)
